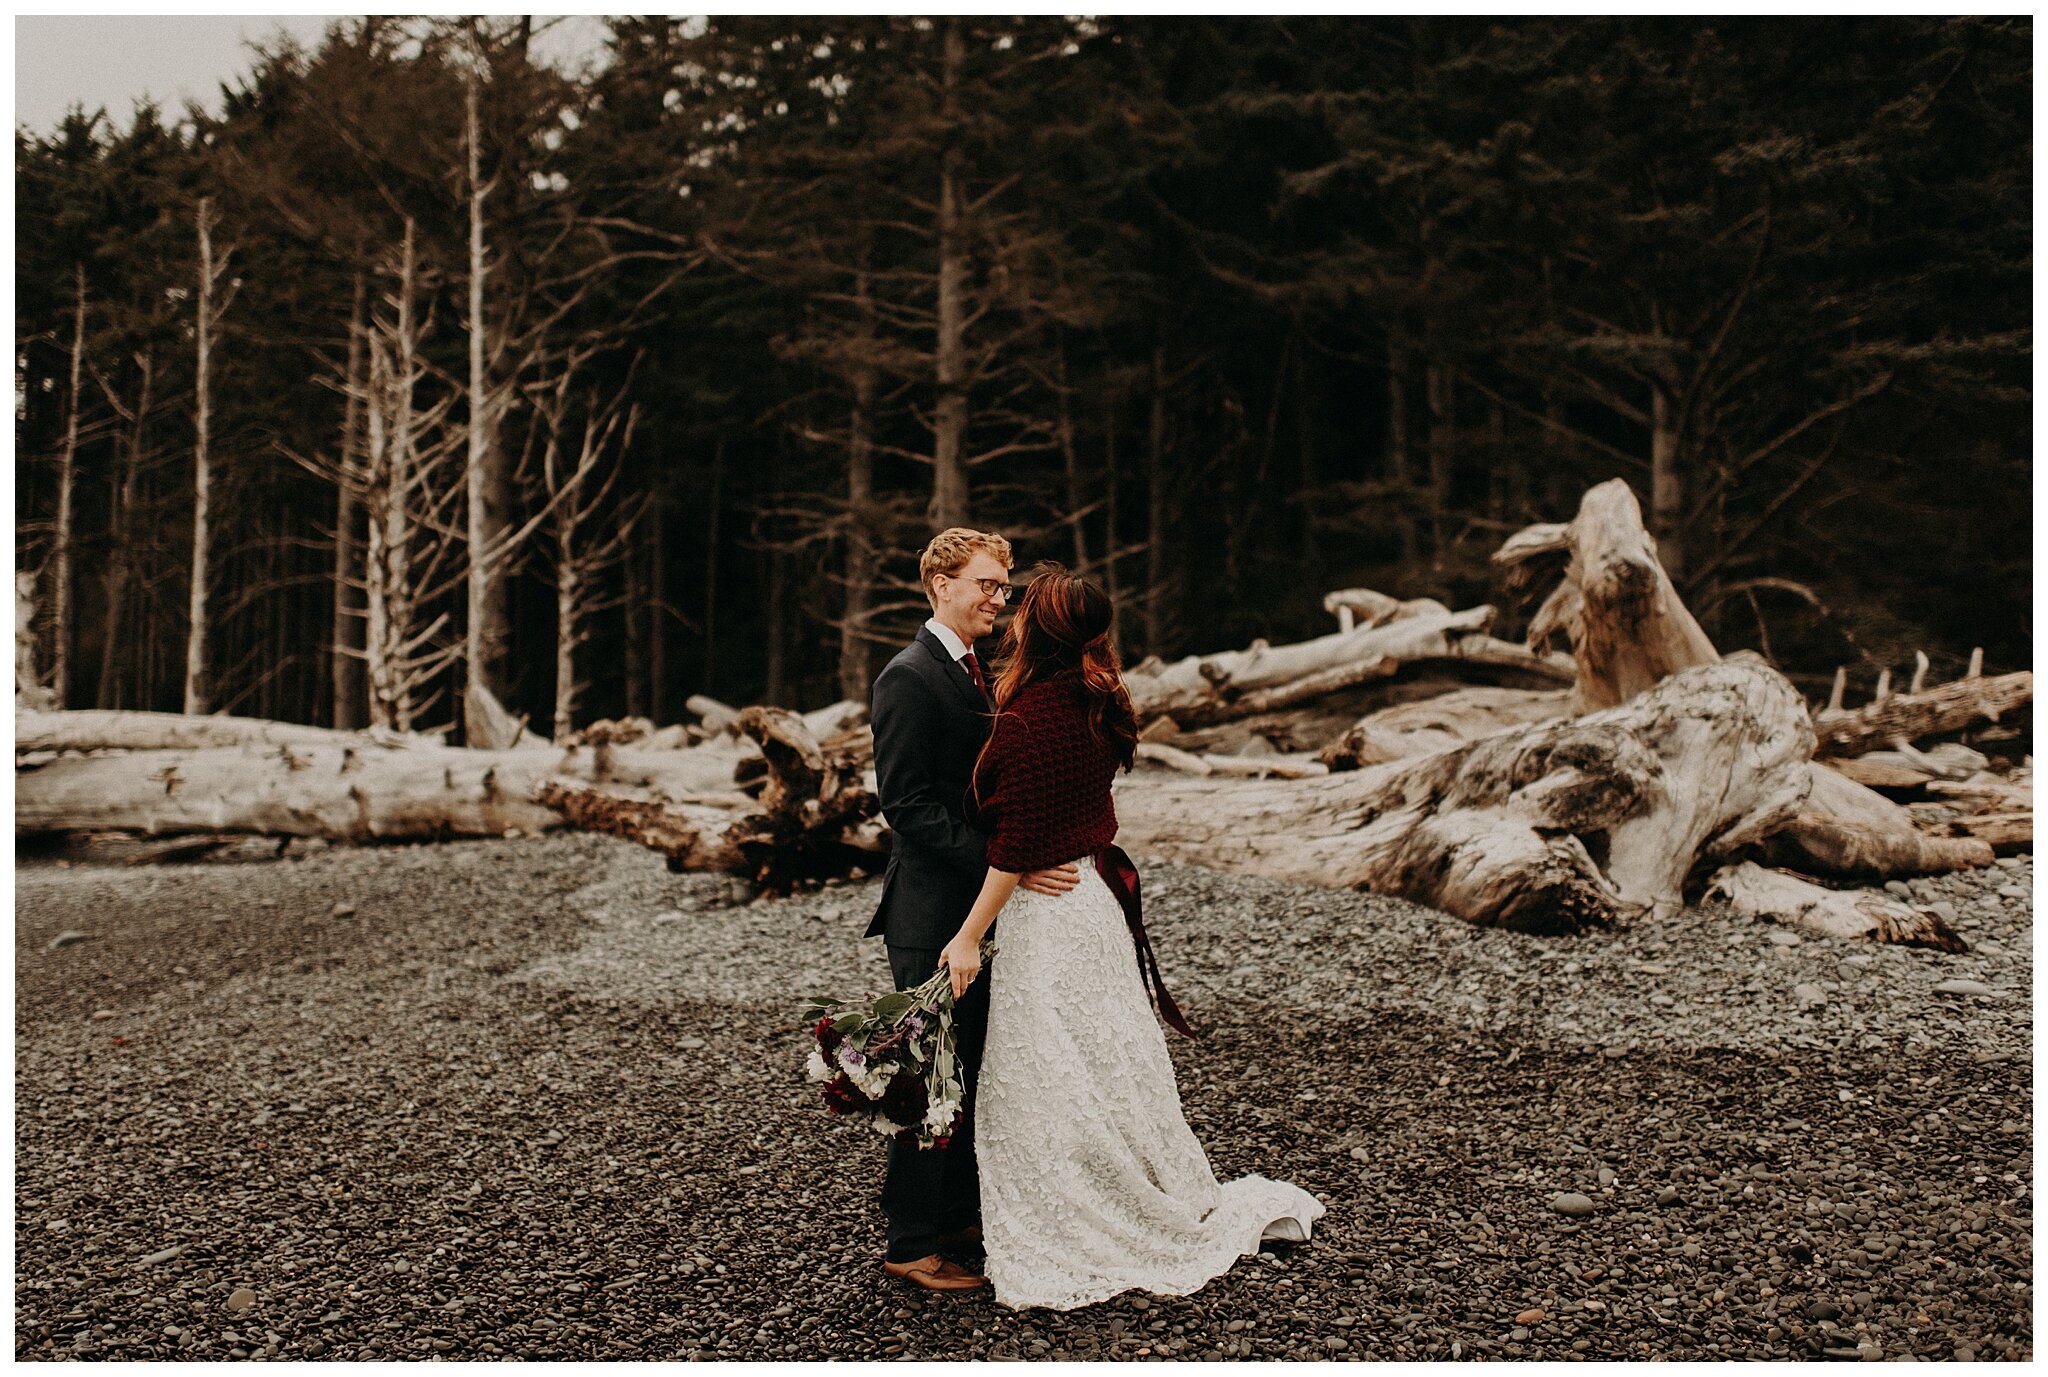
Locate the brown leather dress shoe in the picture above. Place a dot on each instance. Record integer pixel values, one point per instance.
(969, 1237)
(934, 1273)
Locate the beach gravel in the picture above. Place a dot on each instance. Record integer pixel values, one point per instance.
(539, 1098)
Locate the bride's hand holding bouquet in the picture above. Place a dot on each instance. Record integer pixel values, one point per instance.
(892, 1060)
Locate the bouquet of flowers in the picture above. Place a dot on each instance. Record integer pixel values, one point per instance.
(891, 1061)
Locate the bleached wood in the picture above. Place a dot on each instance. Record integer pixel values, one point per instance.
(93, 730)
(1839, 848)
(338, 793)
(488, 726)
(29, 690)
(1173, 758)
(1441, 722)
(1204, 689)
(2005, 833)
(1369, 608)
(1497, 830)
(1616, 608)
(1757, 892)
(1942, 709)
(716, 716)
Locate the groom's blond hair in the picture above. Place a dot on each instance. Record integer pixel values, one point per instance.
(950, 550)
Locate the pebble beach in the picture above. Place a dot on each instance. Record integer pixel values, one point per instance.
(539, 1098)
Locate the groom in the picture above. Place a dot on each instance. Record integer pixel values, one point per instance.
(930, 709)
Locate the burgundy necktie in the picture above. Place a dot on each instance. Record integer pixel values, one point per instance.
(974, 672)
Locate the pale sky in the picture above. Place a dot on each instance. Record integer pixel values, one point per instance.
(112, 61)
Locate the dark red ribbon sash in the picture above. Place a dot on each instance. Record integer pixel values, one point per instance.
(1115, 867)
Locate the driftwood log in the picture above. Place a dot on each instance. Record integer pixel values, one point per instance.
(1201, 690)
(1552, 827)
(1756, 892)
(1507, 784)
(166, 775)
(1896, 717)
(1441, 722)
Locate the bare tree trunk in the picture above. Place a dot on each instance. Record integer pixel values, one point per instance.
(1155, 509)
(776, 692)
(387, 542)
(67, 480)
(1071, 457)
(1667, 489)
(196, 688)
(949, 465)
(120, 568)
(1497, 464)
(1311, 557)
(1401, 454)
(657, 607)
(1443, 421)
(568, 611)
(854, 678)
(479, 647)
(345, 675)
(711, 506)
(1110, 580)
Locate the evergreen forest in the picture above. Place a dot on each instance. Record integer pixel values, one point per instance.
(425, 367)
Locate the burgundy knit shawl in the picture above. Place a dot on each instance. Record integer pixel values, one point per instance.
(1044, 796)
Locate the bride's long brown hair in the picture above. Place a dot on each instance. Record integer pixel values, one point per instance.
(1061, 628)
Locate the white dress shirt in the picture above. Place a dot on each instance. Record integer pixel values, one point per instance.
(947, 638)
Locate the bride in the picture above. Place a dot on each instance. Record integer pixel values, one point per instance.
(1092, 1183)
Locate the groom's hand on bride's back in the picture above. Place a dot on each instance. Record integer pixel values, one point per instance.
(1056, 880)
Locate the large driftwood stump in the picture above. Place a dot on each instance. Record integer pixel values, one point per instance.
(1616, 608)
(1546, 828)
(1628, 629)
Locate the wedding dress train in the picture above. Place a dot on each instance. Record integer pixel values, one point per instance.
(1092, 1183)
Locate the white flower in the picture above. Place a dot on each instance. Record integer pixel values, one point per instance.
(884, 1127)
(940, 1116)
(817, 1067)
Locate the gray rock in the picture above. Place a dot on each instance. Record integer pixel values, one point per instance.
(68, 937)
(1571, 1202)
(1808, 995)
(1964, 987)
(1782, 938)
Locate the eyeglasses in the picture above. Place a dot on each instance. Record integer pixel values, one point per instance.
(991, 588)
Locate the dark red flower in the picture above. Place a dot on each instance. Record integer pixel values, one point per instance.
(942, 1141)
(828, 1037)
(842, 1096)
(905, 1100)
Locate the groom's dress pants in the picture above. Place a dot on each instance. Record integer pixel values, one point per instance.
(933, 1191)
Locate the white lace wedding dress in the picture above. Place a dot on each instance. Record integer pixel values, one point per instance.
(1092, 1182)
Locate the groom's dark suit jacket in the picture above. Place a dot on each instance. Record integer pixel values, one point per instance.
(930, 722)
